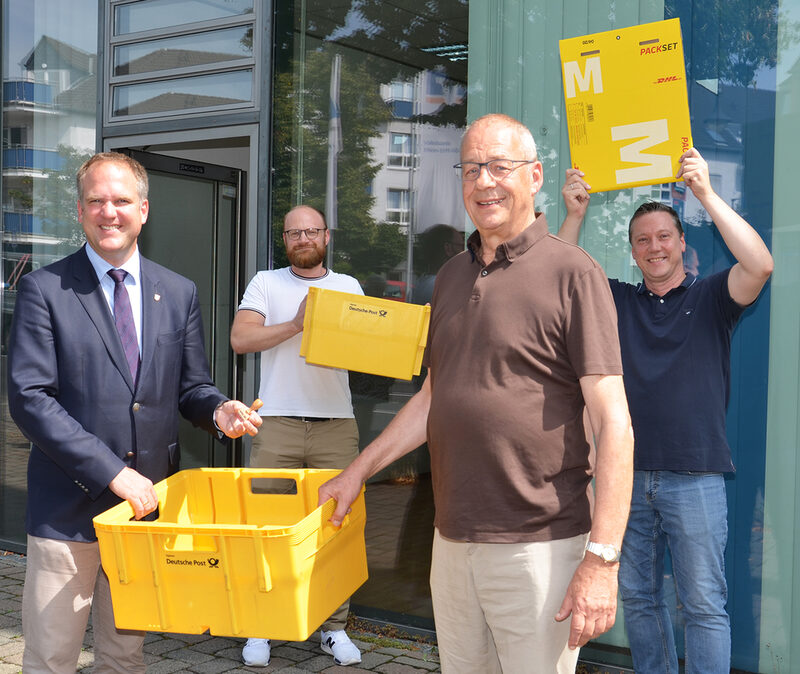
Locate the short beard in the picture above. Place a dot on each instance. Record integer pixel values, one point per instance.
(306, 258)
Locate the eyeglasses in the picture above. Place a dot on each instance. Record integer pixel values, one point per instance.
(499, 169)
(311, 233)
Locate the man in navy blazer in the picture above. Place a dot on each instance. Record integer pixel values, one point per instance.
(102, 428)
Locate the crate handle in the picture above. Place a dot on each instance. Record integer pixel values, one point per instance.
(329, 532)
(292, 486)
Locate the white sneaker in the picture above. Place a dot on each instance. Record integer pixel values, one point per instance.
(256, 653)
(338, 644)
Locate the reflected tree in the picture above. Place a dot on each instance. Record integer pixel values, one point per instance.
(739, 37)
(380, 43)
(55, 205)
(361, 244)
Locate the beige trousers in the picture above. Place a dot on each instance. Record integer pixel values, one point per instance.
(494, 605)
(290, 443)
(63, 583)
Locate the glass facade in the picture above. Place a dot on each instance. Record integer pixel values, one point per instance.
(740, 58)
(147, 15)
(364, 109)
(183, 94)
(368, 111)
(49, 65)
(228, 44)
(172, 57)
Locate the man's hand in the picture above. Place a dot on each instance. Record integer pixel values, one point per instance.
(576, 199)
(591, 599)
(137, 490)
(575, 193)
(344, 489)
(234, 419)
(694, 171)
(300, 316)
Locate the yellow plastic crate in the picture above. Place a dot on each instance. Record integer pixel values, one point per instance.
(223, 558)
(365, 334)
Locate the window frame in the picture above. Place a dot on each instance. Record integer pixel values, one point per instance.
(113, 82)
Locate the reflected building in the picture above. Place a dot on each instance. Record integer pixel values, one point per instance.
(47, 113)
(48, 118)
(416, 186)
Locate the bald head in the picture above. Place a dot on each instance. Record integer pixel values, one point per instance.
(304, 214)
(499, 120)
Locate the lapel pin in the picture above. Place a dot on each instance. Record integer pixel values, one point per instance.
(157, 297)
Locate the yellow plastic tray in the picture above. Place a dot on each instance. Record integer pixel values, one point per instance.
(223, 559)
(365, 334)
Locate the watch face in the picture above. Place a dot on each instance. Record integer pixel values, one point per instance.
(608, 553)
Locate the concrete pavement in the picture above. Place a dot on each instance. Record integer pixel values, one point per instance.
(166, 653)
(206, 654)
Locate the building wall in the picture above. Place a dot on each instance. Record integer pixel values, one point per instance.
(780, 590)
(742, 62)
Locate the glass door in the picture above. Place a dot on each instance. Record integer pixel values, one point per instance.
(193, 229)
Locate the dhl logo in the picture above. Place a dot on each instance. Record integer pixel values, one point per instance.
(671, 78)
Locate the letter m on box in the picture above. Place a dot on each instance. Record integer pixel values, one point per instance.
(626, 105)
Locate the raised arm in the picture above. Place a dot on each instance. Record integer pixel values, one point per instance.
(591, 597)
(753, 260)
(576, 198)
(407, 431)
(250, 335)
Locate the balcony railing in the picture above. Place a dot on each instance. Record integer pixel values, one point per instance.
(24, 91)
(25, 157)
(20, 223)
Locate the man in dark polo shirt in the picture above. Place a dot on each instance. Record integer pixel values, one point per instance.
(675, 331)
(522, 339)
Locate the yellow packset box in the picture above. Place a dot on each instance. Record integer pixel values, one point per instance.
(626, 103)
(235, 551)
(365, 334)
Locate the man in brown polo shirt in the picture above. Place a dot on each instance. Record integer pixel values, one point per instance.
(523, 338)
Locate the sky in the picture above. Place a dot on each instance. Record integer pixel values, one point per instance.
(27, 20)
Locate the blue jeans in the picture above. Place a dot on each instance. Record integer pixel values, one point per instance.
(687, 512)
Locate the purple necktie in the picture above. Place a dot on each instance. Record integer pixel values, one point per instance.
(123, 317)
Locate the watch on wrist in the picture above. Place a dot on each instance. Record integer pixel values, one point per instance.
(605, 551)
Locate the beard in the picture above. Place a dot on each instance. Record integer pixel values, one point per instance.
(306, 258)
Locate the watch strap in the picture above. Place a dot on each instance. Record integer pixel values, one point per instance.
(607, 552)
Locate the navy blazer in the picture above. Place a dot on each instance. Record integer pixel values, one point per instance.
(71, 393)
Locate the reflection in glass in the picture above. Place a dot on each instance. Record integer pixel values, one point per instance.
(400, 150)
(49, 57)
(388, 149)
(154, 14)
(397, 206)
(184, 94)
(185, 51)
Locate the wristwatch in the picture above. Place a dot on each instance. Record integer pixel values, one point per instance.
(605, 551)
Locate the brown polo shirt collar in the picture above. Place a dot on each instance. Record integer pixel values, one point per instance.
(514, 247)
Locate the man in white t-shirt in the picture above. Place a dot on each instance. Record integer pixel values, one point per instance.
(307, 414)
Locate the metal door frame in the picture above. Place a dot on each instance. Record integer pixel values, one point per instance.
(155, 147)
